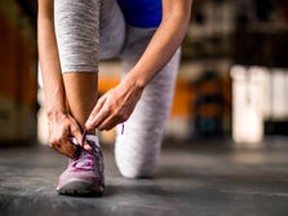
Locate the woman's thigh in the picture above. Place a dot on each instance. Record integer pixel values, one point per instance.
(86, 32)
(112, 29)
(137, 149)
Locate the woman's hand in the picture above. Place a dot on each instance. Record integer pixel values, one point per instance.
(117, 105)
(114, 107)
(62, 127)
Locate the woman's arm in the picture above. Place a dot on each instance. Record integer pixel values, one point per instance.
(117, 105)
(61, 124)
(166, 40)
(49, 59)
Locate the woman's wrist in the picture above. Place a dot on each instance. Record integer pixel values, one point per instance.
(56, 113)
(134, 81)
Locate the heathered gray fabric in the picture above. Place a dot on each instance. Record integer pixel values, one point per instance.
(87, 31)
(112, 30)
(79, 31)
(137, 150)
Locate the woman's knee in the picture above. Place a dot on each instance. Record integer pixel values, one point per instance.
(136, 172)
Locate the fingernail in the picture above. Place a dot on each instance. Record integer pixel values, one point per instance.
(87, 147)
(88, 120)
(87, 125)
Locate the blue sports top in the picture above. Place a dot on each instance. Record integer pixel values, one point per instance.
(142, 13)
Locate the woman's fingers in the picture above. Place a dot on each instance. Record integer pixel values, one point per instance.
(63, 146)
(107, 117)
(116, 117)
(113, 108)
(68, 148)
(109, 123)
(96, 115)
(61, 131)
(75, 131)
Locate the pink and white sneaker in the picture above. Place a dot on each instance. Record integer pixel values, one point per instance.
(84, 175)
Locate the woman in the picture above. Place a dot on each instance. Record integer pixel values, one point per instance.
(72, 37)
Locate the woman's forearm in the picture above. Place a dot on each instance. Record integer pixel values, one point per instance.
(49, 59)
(164, 43)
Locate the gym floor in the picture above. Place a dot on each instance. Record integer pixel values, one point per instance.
(203, 178)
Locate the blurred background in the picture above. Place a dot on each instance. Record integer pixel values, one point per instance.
(232, 83)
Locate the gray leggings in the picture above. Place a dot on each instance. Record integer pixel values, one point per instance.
(90, 30)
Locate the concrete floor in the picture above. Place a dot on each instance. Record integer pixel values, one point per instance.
(204, 178)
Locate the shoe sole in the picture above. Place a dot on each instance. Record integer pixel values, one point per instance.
(80, 188)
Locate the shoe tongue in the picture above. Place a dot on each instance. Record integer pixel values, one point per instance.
(90, 138)
(85, 160)
(93, 139)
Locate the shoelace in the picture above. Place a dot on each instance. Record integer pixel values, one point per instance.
(94, 148)
(122, 130)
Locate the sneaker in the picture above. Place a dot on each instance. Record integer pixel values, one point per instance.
(84, 175)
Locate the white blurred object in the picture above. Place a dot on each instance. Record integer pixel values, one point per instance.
(178, 128)
(42, 122)
(278, 90)
(248, 105)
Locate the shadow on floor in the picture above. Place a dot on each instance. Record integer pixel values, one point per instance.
(189, 181)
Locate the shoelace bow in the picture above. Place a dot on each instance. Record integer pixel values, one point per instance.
(94, 148)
